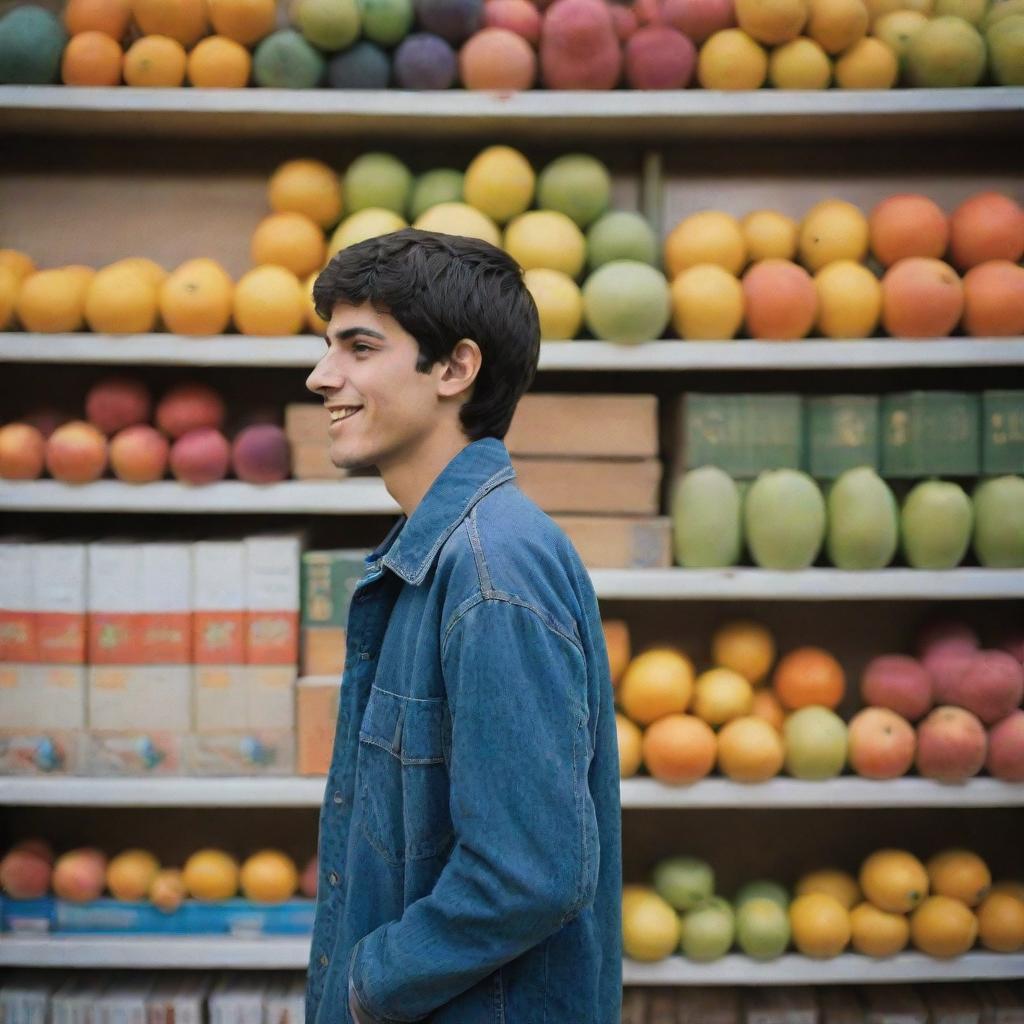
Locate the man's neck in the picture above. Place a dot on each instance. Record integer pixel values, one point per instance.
(409, 479)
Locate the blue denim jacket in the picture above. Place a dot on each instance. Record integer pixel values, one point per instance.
(470, 836)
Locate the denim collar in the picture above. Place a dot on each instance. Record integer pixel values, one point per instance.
(413, 542)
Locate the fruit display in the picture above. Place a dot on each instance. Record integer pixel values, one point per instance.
(139, 441)
(415, 44)
(31, 871)
(752, 714)
(942, 906)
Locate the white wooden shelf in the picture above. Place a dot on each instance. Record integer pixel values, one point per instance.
(846, 791)
(304, 350)
(532, 114)
(281, 953)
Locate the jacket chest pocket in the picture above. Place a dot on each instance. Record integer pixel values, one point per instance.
(403, 776)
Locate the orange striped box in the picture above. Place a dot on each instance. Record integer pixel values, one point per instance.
(42, 697)
(272, 599)
(166, 603)
(115, 618)
(218, 602)
(59, 574)
(131, 698)
(17, 602)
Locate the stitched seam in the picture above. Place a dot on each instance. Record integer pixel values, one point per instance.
(483, 576)
(544, 1003)
(422, 700)
(578, 903)
(500, 477)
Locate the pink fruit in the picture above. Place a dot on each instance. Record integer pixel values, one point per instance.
(261, 455)
(659, 57)
(1014, 645)
(307, 881)
(946, 633)
(46, 419)
(519, 16)
(40, 847)
(188, 407)
(200, 457)
(699, 19)
(991, 686)
(25, 873)
(946, 666)
(881, 744)
(1006, 748)
(899, 683)
(167, 890)
(578, 46)
(79, 875)
(625, 22)
(117, 402)
(951, 745)
(138, 455)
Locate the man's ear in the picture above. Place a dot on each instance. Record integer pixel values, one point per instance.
(460, 369)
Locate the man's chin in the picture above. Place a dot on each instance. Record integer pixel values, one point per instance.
(349, 461)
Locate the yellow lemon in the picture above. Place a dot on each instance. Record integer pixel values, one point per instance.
(707, 303)
(731, 60)
(799, 64)
(362, 225)
(849, 300)
(721, 695)
(840, 884)
(559, 303)
(500, 182)
(769, 234)
(894, 880)
(546, 238)
(709, 236)
(832, 230)
(877, 933)
(868, 64)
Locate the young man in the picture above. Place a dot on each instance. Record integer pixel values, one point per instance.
(470, 852)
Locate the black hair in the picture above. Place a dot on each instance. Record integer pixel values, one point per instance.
(441, 289)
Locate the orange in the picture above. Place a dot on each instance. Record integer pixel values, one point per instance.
(1001, 922)
(720, 695)
(309, 187)
(8, 296)
(961, 874)
(82, 275)
(994, 299)
(894, 880)
(150, 269)
(656, 683)
(19, 263)
(878, 933)
(868, 64)
(196, 298)
(750, 750)
(245, 21)
(269, 876)
(616, 641)
(108, 16)
(182, 20)
(907, 225)
(943, 927)
(770, 234)
(290, 240)
(630, 740)
(313, 319)
(50, 301)
(987, 226)
(219, 63)
(679, 748)
(269, 300)
(155, 62)
(1012, 886)
(91, 58)
(820, 925)
(745, 647)
(840, 884)
(807, 676)
(121, 300)
(766, 705)
(211, 875)
(709, 236)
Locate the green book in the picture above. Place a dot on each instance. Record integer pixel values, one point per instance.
(842, 432)
(1002, 432)
(931, 433)
(328, 580)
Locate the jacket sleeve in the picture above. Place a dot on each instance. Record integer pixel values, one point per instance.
(525, 859)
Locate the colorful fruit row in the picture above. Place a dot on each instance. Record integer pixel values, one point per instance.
(785, 521)
(187, 438)
(942, 907)
(29, 871)
(681, 725)
(511, 45)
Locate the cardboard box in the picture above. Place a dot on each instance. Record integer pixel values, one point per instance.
(600, 486)
(610, 426)
(620, 542)
(41, 752)
(323, 650)
(60, 586)
(130, 698)
(272, 599)
(218, 602)
(317, 701)
(166, 603)
(115, 596)
(306, 423)
(42, 697)
(312, 461)
(17, 602)
(266, 752)
(133, 752)
(231, 697)
(270, 691)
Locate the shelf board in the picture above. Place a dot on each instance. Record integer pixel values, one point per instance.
(303, 351)
(533, 114)
(847, 791)
(281, 953)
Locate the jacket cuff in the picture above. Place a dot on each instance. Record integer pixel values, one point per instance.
(355, 1007)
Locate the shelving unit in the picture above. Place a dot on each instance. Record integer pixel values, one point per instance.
(867, 126)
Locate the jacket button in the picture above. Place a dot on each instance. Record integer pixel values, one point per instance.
(323, 960)
(337, 797)
(333, 878)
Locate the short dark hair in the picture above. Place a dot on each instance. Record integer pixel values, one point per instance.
(442, 288)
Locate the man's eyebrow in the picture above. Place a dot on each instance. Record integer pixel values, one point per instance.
(351, 332)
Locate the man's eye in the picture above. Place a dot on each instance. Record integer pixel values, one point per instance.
(359, 345)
